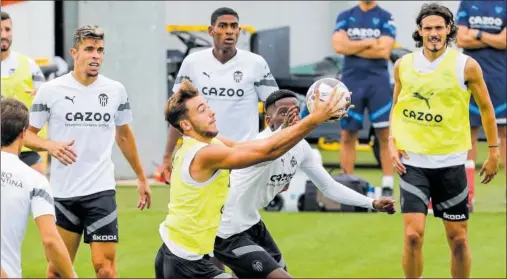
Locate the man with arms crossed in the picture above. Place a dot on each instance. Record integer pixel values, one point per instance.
(86, 112)
(21, 77)
(431, 137)
(365, 35)
(230, 79)
(24, 190)
(200, 179)
(482, 35)
(243, 242)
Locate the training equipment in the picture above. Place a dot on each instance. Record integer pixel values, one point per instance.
(326, 86)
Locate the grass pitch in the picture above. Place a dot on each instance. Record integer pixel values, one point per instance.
(324, 245)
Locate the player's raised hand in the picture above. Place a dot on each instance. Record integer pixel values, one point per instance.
(385, 205)
(292, 116)
(324, 110)
(63, 152)
(144, 190)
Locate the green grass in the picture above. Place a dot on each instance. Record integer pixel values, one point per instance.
(314, 245)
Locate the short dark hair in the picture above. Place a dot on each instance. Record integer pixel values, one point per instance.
(87, 32)
(14, 119)
(221, 12)
(278, 95)
(438, 10)
(176, 108)
(5, 16)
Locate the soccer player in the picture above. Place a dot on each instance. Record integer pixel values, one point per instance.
(21, 77)
(243, 242)
(86, 112)
(431, 137)
(200, 179)
(25, 191)
(365, 35)
(230, 79)
(482, 35)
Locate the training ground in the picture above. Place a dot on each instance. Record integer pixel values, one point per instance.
(324, 245)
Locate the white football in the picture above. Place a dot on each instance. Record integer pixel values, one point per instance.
(326, 86)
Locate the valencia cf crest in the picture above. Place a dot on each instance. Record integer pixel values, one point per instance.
(238, 75)
(103, 99)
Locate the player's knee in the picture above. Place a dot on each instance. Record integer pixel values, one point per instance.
(458, 242)
(414, 239)
(502, 131)
(348, 137)
(103, 269)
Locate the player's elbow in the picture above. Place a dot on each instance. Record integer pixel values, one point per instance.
(50, 241)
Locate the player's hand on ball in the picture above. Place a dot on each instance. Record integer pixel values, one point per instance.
(385, 205)
(63, 152)
(324, 110)
(144, 190)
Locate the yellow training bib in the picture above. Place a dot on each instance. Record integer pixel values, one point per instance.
(195, 211)
(431, 115)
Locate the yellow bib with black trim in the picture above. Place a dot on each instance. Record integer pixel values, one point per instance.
(16, 85)
(195, 211)
(431, 115)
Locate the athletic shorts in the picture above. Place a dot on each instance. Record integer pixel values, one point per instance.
(94, 215)
(496, 88)
(372, 92)
(447, 187)
(250, 254)
(30, 157)
(168, 265)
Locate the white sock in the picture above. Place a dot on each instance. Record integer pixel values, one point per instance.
(388, 181)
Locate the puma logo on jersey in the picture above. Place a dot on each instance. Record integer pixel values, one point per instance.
(70, 99)
(206, 74)
(421, 97)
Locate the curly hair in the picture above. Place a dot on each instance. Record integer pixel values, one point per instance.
(438, 10)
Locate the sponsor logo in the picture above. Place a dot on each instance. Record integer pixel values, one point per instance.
(104, 237)
(361, 33)
(485, 22)
(222, 92)
(284, 177)
(257, 266)
(238, 76)
(454, 216)
(422, 116)
(88, 119)
(103, 99)
(421, 97)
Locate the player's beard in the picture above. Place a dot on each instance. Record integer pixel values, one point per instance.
(203, 132)
(8, 45)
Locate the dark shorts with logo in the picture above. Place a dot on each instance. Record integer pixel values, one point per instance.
(168, 265)
(250, 254)
(447, 187)
(94, 215)
(30, 157)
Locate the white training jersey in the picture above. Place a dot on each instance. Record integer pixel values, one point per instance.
(424, 66)
(10, 65)
(24, 191)
(89, 116)
(232, 89)
(255, 187)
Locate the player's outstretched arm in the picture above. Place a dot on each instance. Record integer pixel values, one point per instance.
(62, 151)
(55, 249)
(476, 84)
(127, 143)
(250, 153)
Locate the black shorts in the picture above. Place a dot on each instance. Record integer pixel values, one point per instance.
(447, 188)
(168, 265)
(30, 157)
(95, 215)
(250, 254)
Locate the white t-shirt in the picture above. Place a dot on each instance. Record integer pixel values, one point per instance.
(10, 65)
(24, 190)
(255, 187)
(89, 116)
(424, 66)
(232, 89)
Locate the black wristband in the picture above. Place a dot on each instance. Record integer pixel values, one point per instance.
(492, 146)
(479, 35)
(373, 205)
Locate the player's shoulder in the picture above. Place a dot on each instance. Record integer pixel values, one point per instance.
(253, 57)
(348, 11)
(54, 85)
(29, 177)
(384, 12)
(106, 81)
